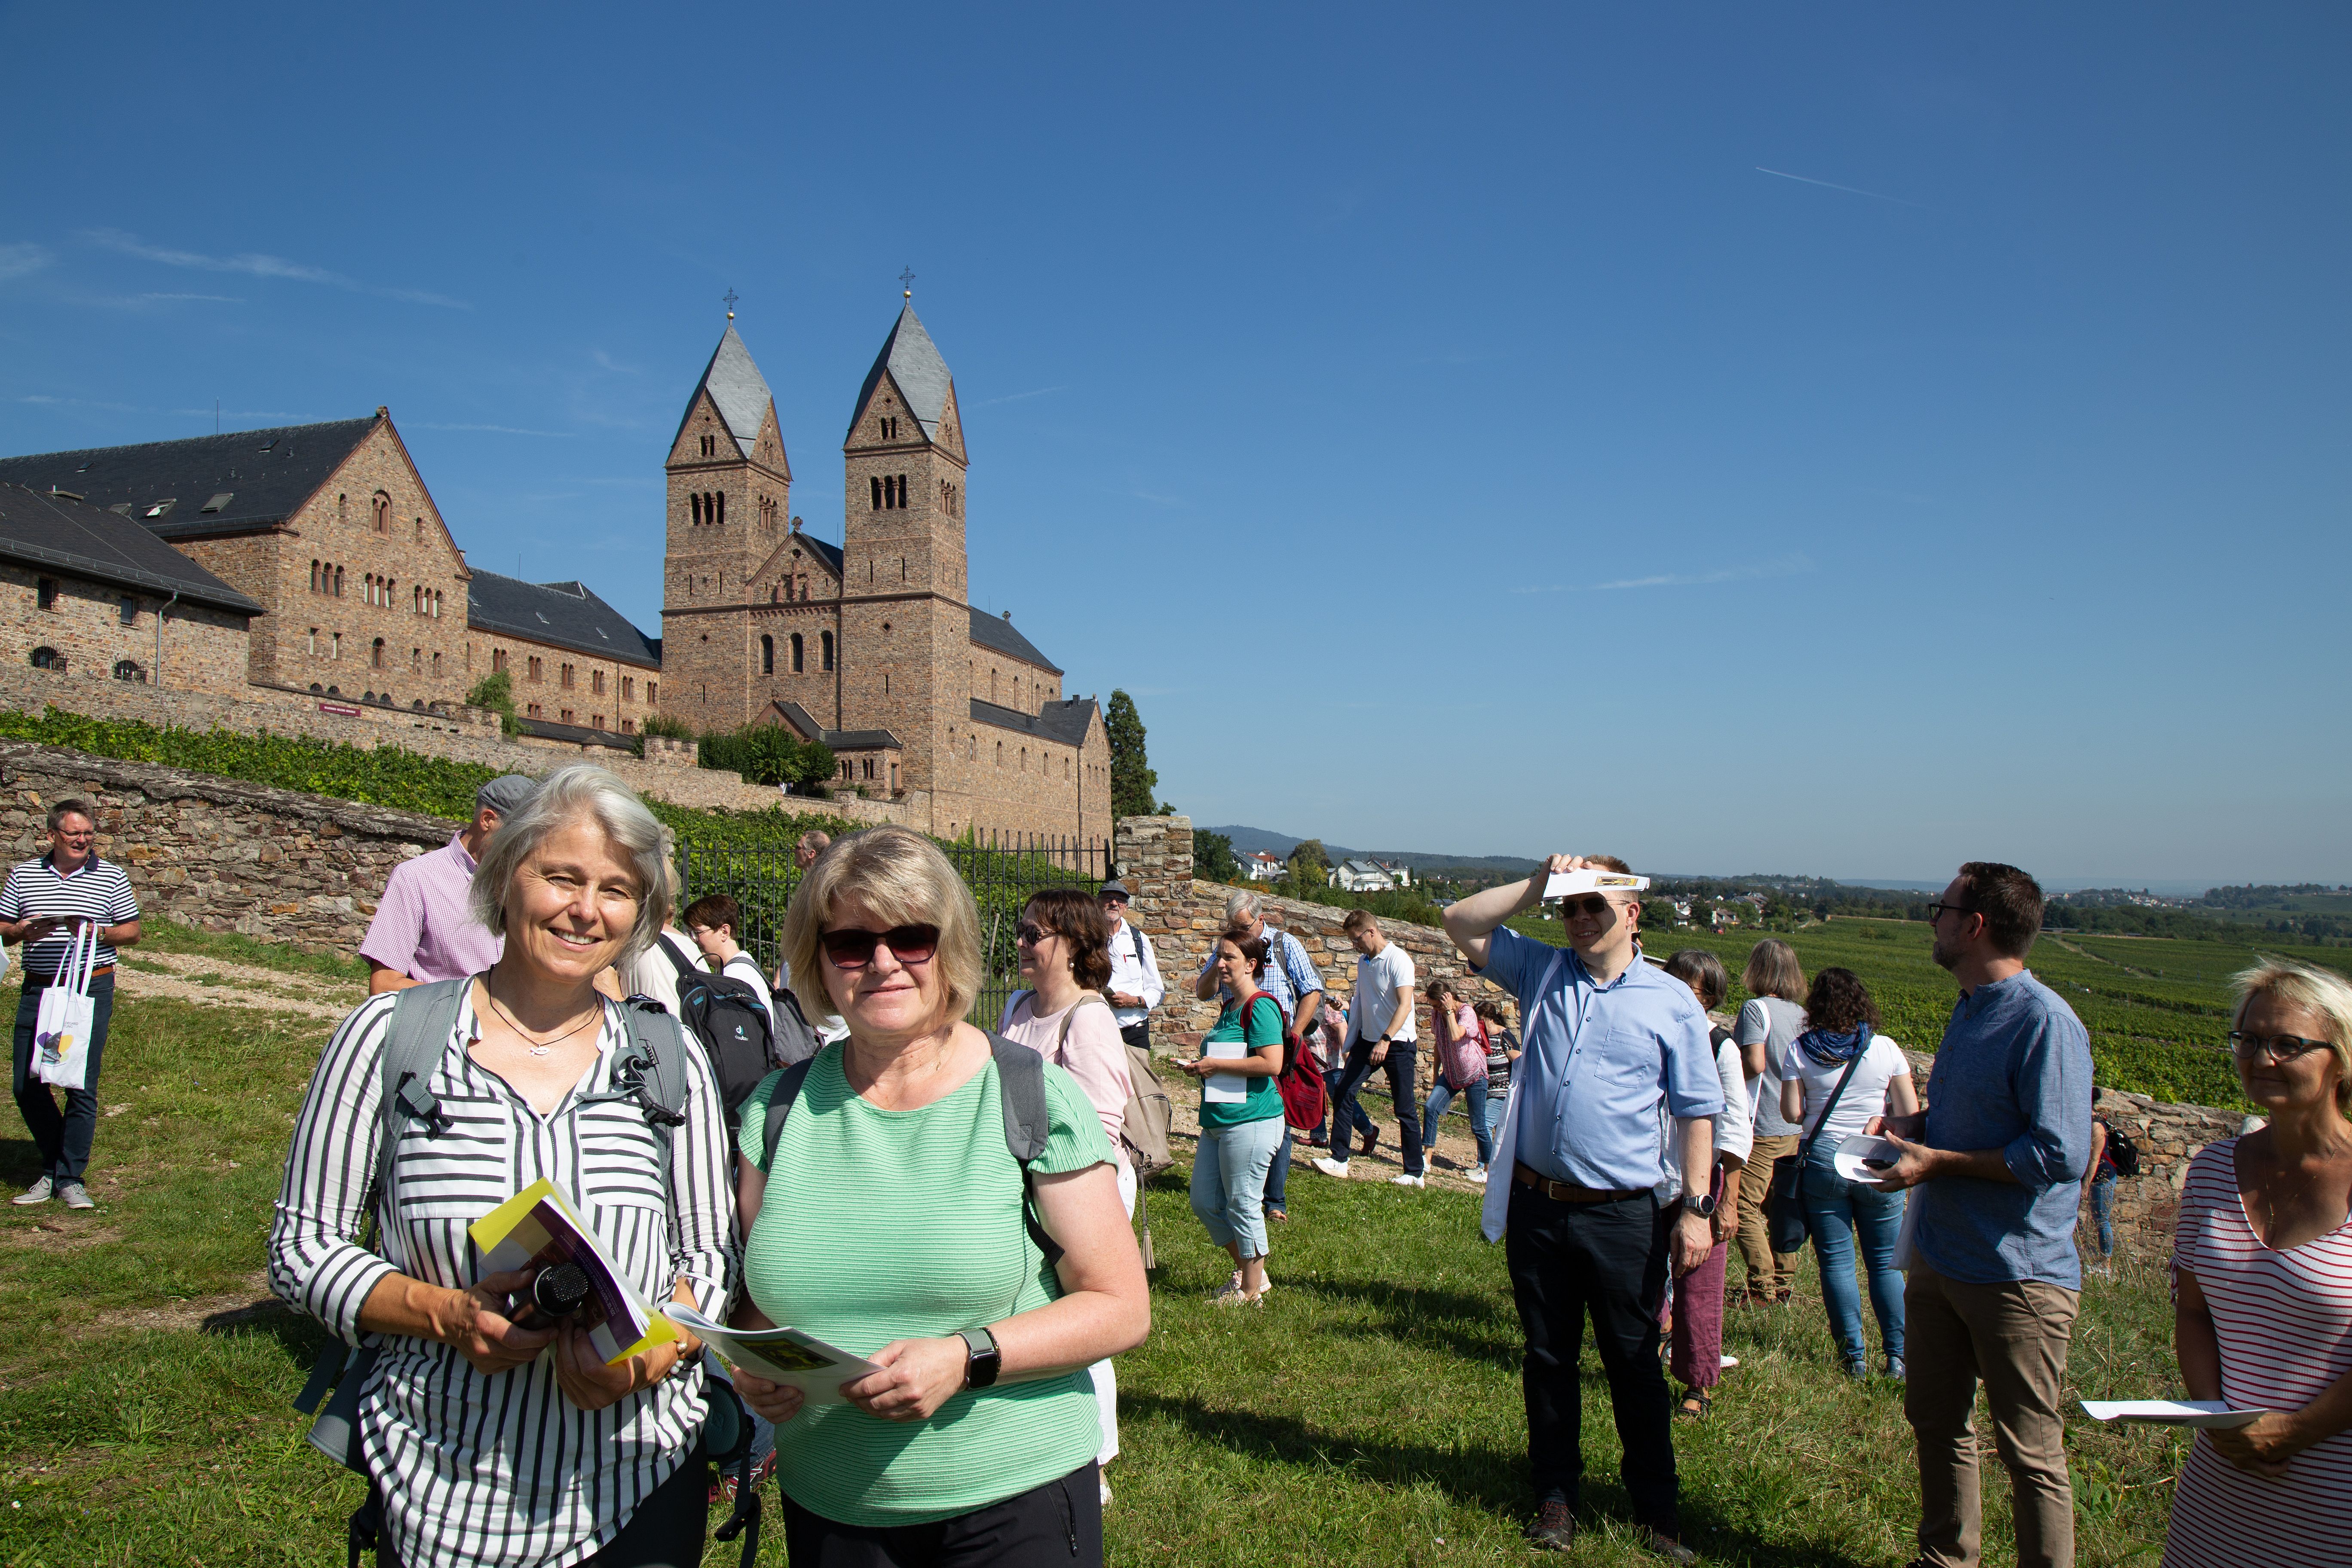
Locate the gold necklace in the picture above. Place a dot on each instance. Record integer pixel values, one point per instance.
(539, 1047)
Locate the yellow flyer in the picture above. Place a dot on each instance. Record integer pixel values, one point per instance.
(537, 1227)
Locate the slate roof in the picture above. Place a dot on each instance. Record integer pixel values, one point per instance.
(914, 363)
(565, 614)
(996, 632)
(1063, 721)
(578, 734)
(232, 483)
(736, 386)
(74, 538)
(801, 720)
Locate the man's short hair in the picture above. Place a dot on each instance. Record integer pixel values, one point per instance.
(2011, 903)
(815, 842)
(1610, 863)
(1359, 920)
(1243, 907)
(506, 795)
(715, 909)
(74, 807)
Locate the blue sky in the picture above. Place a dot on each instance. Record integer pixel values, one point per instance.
(1842, 441)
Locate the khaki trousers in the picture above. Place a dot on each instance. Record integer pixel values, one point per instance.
(1768, 1270)
(2013, 1336)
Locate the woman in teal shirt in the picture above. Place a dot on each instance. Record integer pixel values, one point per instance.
(891, 1225)
(1241, 1118)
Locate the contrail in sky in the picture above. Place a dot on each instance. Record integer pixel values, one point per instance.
(1832, 185)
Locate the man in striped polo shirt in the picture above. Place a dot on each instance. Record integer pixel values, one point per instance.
(44, 902)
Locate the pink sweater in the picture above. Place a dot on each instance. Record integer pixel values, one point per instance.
(1093, 1054)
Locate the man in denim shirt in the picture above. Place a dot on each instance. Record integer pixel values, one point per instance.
(1996, 1171)
(1616, 1061)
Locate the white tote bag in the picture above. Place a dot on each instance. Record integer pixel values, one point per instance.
(61, 1028)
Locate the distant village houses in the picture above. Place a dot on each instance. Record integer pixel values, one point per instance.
(1369, 877)
(1261, 866)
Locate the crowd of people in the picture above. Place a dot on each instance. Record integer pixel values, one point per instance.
(954, 1204)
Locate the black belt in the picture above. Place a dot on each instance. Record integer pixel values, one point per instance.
(1569, 1192)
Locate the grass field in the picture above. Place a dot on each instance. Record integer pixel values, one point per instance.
(2158, 1010)
(1369, 1413)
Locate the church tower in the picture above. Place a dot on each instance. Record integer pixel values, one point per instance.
(730, 502)
(906, 623)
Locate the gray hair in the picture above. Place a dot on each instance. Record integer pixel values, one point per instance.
(569, 794)
(1244, 905)
(74, 807)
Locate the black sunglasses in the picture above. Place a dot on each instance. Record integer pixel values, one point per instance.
(1593, 904)
(1937, 911)
(851, 948)
(1029, 933)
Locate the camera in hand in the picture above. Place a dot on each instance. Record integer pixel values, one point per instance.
(554, 1294)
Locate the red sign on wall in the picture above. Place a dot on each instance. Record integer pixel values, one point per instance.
(344, 709)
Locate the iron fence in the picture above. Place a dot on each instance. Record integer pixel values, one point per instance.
(1002, 870)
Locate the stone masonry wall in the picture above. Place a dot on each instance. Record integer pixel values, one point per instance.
(1182, 918)
(203, 647)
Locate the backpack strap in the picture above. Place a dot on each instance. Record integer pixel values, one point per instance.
(678, 960)
(417, 1035)
(788, 1082)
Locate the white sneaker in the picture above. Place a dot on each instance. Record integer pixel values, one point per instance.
(38, 1193)
(1407, 1182)
(1477, 1174)
(75, 1196)
(1729, 1362)
(1324, 1163)
(1106, 1490)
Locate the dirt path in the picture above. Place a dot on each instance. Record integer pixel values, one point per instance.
(217, 982)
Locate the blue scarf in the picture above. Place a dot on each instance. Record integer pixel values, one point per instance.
(1828, 1049)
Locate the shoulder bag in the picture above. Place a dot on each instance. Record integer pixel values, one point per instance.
(1784, 1200)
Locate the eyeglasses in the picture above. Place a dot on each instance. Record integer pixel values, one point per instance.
(854, 949)
(1029, 933)
(1593, 905)
(1937, 911)
(2280, 1048)
(85, 833)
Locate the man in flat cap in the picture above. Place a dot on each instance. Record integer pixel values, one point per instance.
(423, 930)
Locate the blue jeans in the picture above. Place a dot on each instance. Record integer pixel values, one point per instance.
(1474, 1096)
(1398, 1065)
(1229, 1182)
(1277, 1174)
(1358, 1121)
(62, 1140)
(1836, 1211)
(2103, 1211)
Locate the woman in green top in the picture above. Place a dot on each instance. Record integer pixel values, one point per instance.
(1241, 1117)
(891, 1225)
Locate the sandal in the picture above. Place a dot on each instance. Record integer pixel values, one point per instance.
(1696, 1403)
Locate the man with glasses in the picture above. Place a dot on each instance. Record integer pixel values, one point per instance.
(1136, 988)
(1615, 1060)
(45, 903)
(1995, 1164)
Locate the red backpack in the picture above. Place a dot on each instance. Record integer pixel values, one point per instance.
(1301, 1085)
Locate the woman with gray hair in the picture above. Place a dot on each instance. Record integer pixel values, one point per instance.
(488, 1441)
(2262, 1272)
(889, 1214)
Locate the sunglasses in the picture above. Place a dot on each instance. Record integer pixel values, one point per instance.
(2280, 1048)
(1937, 911)
(1029, 933)
(854, 949)
(1593, 905)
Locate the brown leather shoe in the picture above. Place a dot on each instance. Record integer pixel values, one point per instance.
(1555, 1527)
(1371, 1136)
(1660, 1544)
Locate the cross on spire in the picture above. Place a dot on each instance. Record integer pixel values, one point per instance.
(729, 298)
(907, 283)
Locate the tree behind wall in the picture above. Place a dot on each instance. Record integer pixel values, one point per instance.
(1212, 856)
(496, 692)
(1132, 779)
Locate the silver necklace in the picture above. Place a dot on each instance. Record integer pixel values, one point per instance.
(540, 1047)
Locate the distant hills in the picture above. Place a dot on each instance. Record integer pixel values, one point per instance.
(1250, 840)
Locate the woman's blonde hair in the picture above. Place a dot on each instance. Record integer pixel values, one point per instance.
(2320, 991)
(1773, 971)
(569, 794)
(903, 879)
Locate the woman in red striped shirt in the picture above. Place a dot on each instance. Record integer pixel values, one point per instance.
(2263, 1290)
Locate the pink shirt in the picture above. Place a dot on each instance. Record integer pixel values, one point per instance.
(1094, 1053)
(422, 928)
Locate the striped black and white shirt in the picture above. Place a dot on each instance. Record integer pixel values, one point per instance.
(504, 1471)
(99, 891)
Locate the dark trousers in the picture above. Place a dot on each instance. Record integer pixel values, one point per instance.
(1608, 1260)
(62, 1139)
(1277, 1174)
(666, 1532)
(1362, 1123)
(1138, 1033)
(1059, 1523)
(1399, 1067)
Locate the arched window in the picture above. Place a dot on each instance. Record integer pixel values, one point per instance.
(382, 512)
(798, 660)
(719, 507)
(805, 593)
(824, 645)
(596, 682)
(49, 659)
(1000, 753)
(767, 654)
(314, 576)
(420, 531)
(375, 654)
(694, 507)
(497, 661)
(339, 582)
(874, 485)
(709, 445)
(416, 662)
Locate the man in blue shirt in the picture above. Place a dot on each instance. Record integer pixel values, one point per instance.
(1616, 1061)
(1995, 1163)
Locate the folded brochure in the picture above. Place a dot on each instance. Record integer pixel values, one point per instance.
(780, 1355)
(2171, 1411)
(537, 1229)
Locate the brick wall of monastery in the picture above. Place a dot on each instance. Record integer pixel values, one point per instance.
(1182, 917)
(203, 647)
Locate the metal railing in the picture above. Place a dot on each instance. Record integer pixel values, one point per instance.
(1002, 870)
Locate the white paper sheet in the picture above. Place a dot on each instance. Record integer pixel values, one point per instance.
(1225, 1088)
(2171, 1411)
(1560, 884)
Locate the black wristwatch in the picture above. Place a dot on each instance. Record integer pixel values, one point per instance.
(1386, 1041)
(982, 1359)
(1702, 1205)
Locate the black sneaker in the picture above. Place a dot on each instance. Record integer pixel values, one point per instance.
(1555, 1527)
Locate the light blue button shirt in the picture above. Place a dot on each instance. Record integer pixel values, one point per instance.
(1604, 1066)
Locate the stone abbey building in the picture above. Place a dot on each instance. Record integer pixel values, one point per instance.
(363, 595)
